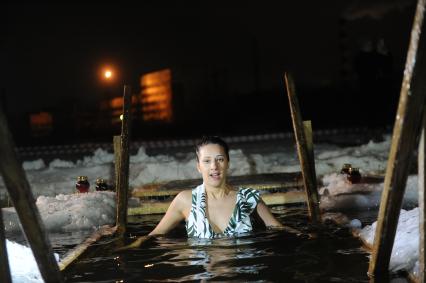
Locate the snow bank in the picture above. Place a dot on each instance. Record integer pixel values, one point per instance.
(23, 266)
(405, 252)
(69, 212)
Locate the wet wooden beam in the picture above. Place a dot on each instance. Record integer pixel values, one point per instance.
(307, 128)
(117, 163)
(160, 207)
(123, 179)
(152, 193)
(404, 141)
(74, 254)
(146, 208)
(285, 187)
(4, 262)
(422, 201)
(20, 193)
(306, 163)
(284, 198)
(116, 142)
(268, 181)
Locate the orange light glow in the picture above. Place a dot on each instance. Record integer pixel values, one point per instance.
(117, 102)
(41, 119)
(41, 123)
(108, 74)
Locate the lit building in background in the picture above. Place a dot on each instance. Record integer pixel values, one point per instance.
(115, 106)
(156, 96)
(41, 124)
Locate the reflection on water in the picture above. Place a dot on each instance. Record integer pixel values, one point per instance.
(220, 256)
(265, 256)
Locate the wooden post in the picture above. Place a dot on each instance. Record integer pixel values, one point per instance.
(422, 201)
(117, 160)
(4, 262)
(404, 140)
(20, 192)
(307, 128)
(123, 178)
(306, 163)
(117, 157)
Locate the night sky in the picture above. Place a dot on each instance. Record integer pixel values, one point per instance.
(52, 54)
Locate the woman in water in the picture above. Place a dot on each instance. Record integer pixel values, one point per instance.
(215, 208)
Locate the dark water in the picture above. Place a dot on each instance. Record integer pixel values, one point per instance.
(263, 256)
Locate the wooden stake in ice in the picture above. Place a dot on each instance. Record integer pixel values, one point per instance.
(123, 178)
(422, 200)
(4, 262)
(20, 192)
(116, 142)
(303, 134)
(404, 140)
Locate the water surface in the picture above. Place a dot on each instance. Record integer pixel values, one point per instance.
(333, 255)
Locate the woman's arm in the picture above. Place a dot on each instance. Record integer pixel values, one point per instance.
(176, 212)
(266, 215)
(174, 215)
(270, 221)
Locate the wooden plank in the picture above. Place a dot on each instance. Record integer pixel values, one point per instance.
(159, 207)
(79, 250)
(404, 140)
(20, 192)
(259, 182)
(4, 262)
(117, 162)
(307, 129)
(163, 193)
(123, 179)
(422, 201)
(306, 164)
(284, 198)
(117, 155)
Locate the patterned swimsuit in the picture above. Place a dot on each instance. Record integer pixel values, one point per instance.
(198, 224)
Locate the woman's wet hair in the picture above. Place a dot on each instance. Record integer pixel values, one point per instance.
(205, 140)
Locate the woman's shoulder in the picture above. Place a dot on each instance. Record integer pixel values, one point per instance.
(183, 199)
(185, 195)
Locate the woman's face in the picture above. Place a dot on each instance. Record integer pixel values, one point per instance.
(213, 165)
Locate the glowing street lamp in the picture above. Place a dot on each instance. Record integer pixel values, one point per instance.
(108, 74)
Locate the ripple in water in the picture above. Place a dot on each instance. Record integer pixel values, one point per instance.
(333, 255)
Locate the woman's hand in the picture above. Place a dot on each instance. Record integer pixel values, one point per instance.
(293, 231)
(136, 244)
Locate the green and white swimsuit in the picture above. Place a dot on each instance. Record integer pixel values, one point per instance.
(197, 224)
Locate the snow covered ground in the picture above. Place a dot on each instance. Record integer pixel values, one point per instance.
(62, 209)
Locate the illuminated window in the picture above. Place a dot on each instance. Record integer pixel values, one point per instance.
(115, 106)
(156, 96)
